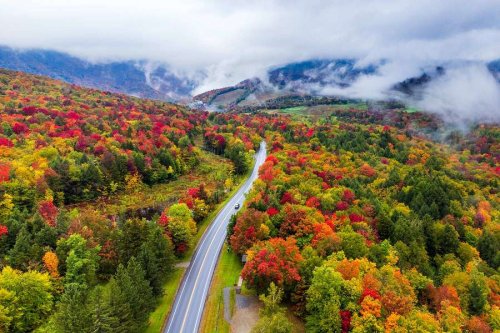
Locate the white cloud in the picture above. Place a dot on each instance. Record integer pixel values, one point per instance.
(465, 94)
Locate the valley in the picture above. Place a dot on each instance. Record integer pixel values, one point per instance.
(115, 209)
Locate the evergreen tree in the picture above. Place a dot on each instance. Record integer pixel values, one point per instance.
(385, 227)
(489, 246)
(20, 254)
(103, 319)
(478, 295)
(120, 309)
(73, 314)
(132, 235)
(135, 289)
(156, 257)
(448, 241)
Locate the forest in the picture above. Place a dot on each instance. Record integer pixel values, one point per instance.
(364, 227)
(76, 252)
(359, 222)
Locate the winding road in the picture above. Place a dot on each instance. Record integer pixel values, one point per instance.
(190, 300)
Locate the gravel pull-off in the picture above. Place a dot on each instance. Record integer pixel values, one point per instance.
(246, 312)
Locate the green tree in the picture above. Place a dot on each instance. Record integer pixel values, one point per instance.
(488, 246)
(81, 262)
(448, 240)
(73, 314)
(235, 151)
(272, 315)
(478, 295)
(353, 244)
(32, 297)
(21, 253)
(7, 309)
(323, 301)
(157, 258)
(181, 226)
(102, 316)
(136, 290)
(131, 237)
(120, 309)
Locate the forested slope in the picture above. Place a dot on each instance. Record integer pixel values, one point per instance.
(99, 194)
(368, 228)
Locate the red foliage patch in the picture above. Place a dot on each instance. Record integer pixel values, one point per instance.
(19, 128)
(286, 198)
(342, 205)
(4, 173)
(348, 196)
(369, 292)
(355, 217)
(3, 230)
(271, 211)
(313, 202)
(49, 212)
(6, 142)
(345, 316)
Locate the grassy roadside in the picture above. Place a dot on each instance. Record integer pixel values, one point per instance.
(226, 275)
(158, 318)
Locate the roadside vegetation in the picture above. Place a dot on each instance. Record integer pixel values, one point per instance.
(367, 227)
(225, 276)
(363, 219)
(101, 195)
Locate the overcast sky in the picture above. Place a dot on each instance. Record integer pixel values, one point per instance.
(202, 33)
(231, 40)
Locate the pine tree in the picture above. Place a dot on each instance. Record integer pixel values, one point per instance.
(103, 318)
(136, 289)
(120, 309)
(156, 257)
(385, 227)
(477, 299)
(133, 234)
(73, 315)
(489, 248)
(20, 254)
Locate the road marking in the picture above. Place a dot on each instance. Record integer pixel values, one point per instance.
(207, 283)
(216, 257)
(198, 275)
(205, 237)
(240, 194)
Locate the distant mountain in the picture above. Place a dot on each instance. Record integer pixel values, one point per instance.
(294, 80)
(309, 78)
(332, 72)
(137, 78)
(494, 68)
(414, 85)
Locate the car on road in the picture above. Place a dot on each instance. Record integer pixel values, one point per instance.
(237, 206)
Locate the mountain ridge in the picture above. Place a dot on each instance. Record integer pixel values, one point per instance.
(129, 77)
(144, 79)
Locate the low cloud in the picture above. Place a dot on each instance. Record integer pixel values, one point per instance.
(464, 94)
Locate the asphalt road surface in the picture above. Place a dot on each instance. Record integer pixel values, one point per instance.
(189, 303)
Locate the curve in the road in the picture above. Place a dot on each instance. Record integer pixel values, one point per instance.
(190, 299)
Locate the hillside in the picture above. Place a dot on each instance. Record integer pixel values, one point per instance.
(136, 78)
(316, 79)
(83, 173)
(141, 78)
(365, 217)
(363, 225)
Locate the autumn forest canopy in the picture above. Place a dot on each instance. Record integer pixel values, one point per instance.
(362, 219)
